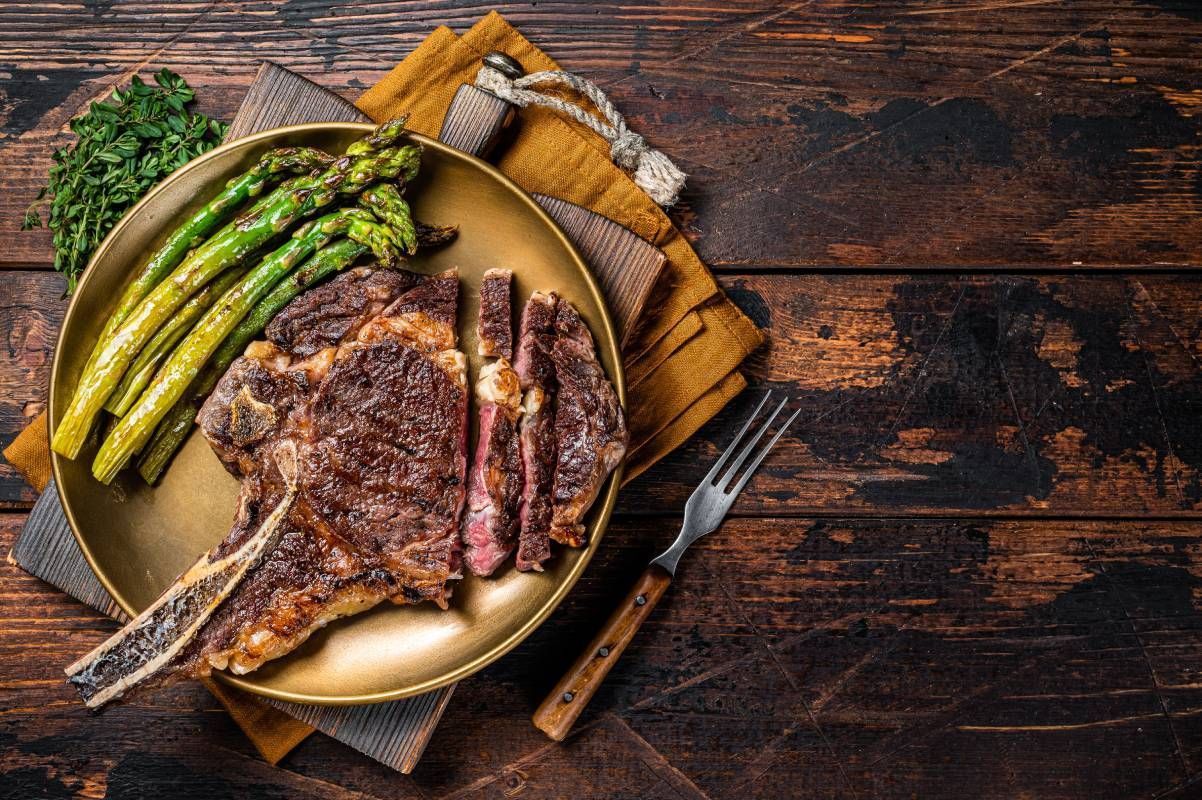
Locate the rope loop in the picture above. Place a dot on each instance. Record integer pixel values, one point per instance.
(653, 171)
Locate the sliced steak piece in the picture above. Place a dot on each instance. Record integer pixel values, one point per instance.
(329, 314)
(590, 429)
(494, 326)
(536, 372)
(380, 423)
(491, 525)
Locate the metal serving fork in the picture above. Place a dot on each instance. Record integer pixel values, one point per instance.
(703, 513)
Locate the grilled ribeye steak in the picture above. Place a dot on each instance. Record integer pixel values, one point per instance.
(378, 420)
(536, 371)
(573, 433)
(590, 429)
(494, 488)
(325, 315)
(494, 326)
(381, 424)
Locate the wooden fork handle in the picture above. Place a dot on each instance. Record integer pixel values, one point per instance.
(567, 700)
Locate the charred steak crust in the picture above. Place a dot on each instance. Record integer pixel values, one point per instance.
(590, 429)
(436, 298)
(494, 328)
(384, 474)
(379, 418)
(536, 371)
(328, 314)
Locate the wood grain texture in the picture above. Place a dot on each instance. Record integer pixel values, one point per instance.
(967, 396)
(281, 97)
(31, 311)
(793, 657)
(394, 734)
(948, 621)
(626, 267)
(474, 120)
(815, 134)
(47, 549)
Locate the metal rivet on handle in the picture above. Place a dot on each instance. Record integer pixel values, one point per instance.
(568, 697)
(603, 652)
(504, 64)
(641, 600)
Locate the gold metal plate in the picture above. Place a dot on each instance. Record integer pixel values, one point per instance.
(138, 539)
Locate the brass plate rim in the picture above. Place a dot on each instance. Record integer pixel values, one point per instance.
(603, 507)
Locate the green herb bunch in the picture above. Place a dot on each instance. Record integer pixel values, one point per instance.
(124, 147)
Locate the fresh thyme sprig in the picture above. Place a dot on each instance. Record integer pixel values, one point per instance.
(123, 147)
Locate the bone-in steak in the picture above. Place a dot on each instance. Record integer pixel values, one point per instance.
(378, 412)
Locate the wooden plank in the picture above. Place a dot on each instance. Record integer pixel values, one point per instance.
(47, 549)
(814, 136)
(961, 395)
(394, 734)
(280, 97)
(793, 657)
(1010, 394)
(626, 267)
(31, 311)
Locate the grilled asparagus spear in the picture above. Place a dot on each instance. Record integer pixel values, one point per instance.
(177, 424)
(385, 135)
(172, 380)
(218, 210)
(164, 340)
(229, 246)
(385, 201)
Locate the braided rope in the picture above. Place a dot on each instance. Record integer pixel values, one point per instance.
(654, 172)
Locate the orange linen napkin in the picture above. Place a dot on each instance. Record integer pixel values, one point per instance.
(682, 369)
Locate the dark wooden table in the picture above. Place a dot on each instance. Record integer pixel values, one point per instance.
(973, 570)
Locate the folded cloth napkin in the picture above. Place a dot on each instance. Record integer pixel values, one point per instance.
(682, 367)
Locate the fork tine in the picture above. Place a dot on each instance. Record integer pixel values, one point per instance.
(760, 456)
(734, 442)
(751, 442)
